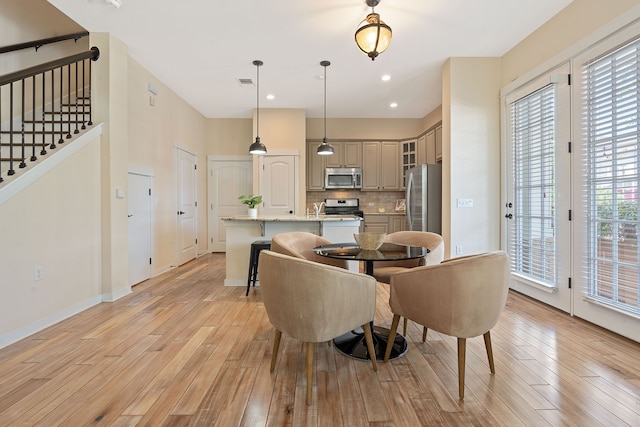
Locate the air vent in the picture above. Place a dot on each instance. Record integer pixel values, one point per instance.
(245, 81)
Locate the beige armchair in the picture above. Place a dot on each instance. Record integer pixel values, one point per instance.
(300, 244)
(461, 297)
(382, 271)
(314, 303)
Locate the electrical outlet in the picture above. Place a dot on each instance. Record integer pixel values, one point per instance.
(465, 203)
(37, 273)
(458, 249)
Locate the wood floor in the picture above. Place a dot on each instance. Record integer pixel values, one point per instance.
(182, 349)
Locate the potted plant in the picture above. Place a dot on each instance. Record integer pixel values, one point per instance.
(251, 201)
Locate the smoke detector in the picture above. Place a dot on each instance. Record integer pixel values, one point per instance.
(114, 3)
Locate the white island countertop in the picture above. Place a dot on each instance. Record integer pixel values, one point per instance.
(296, 218)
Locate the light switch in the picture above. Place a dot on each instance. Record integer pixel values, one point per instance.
(120, 193)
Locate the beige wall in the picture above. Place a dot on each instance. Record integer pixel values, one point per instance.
(471, 154)
(575, 22)
(53, 223)
(228, 137)
(364, 128)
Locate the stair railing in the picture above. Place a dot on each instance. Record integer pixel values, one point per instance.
(54, 98)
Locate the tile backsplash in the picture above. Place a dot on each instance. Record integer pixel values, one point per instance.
(370, 201)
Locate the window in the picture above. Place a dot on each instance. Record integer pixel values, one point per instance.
(532, 226)
(611, 102)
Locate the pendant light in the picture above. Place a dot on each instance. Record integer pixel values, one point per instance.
(325, 149)
(257, 147)
(374, 37)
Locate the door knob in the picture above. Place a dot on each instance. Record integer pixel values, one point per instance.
(508, 216)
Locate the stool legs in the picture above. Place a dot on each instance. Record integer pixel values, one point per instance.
(256, 247)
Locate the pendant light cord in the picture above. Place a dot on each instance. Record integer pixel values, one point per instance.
(325, 103)
(257, 99)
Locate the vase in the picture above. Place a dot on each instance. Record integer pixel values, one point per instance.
(253, 212)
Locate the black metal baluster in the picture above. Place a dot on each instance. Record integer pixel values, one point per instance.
(84, 100)
(76, 92)
(22, 144)
(11, 171)
(1, 179)
(61, 140)
(90, 100)
(33, 119)
(68, 101)
(53, 109)
(44, 144)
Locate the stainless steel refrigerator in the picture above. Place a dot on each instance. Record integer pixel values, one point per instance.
(424, 198)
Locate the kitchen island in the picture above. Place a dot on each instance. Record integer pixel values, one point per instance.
(241, 231)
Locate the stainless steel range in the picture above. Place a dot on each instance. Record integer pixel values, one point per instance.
(343, 207)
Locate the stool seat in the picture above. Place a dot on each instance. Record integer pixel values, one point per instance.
(256, 247)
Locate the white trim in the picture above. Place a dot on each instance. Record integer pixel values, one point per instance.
(62, 153)
(111, 297)
(242, 158)
(38, 326)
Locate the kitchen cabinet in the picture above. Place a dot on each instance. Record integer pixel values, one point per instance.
(378, 223)
(438, 143)
(409, 157)
(421, 147)
(380, 166)
(347, 154)
(315, 167)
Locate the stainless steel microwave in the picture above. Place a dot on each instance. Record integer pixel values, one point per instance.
(337, 178)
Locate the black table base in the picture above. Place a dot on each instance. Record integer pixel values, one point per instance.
(353, 344)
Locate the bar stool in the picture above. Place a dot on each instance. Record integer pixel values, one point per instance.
(256, 247)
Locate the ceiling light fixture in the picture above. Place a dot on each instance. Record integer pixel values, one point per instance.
(325, 149)
(257, 147)
(114, 3)
(374, 36)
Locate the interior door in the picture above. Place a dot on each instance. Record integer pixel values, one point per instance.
(229, 177)
(538, 200)
(139, 206)
(186, 206)
(279, 185)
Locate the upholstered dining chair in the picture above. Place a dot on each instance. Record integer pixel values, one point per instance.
(314, 303)
(461, 297)
(300, 244)
(382, 271)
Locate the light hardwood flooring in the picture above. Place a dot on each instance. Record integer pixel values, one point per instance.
(183, 349)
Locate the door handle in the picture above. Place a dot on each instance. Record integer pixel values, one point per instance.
(129, 216)
(180, 213)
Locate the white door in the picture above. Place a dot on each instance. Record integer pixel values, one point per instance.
(186, 206)
(139, 206)
(229, 177)
(279, 185)
(538, 202)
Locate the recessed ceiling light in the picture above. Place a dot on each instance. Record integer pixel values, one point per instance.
(393, 105)
(270, 96)
(385, 77)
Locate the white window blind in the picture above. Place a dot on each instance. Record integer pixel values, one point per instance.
(532, 246)
(612, 103)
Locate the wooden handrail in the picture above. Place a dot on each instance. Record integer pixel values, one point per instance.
(38, 43)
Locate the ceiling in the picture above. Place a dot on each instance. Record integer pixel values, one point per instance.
(201, 48)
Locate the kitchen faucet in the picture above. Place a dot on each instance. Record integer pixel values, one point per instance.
(317, 207)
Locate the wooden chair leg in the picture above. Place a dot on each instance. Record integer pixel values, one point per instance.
(392, 335)
(424, 333)
(487, 344)
(310, 351)
(404, 327)
(462, 354)
(276, 346)
(368, 338)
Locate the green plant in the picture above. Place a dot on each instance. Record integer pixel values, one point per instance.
(250, 200)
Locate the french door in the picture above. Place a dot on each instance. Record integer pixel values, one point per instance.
(538, 190)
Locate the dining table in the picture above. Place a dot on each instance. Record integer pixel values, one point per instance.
(352, 343)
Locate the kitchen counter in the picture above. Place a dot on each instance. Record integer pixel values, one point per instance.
(241, 231)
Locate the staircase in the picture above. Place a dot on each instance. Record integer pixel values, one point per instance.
(42, 108)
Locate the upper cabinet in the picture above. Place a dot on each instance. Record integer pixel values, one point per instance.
(439, 143)
(347, 154)
(409, 157)
(315, 167)
(380, 165)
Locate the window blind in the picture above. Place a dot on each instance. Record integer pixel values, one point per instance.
(532, 243)
(612, 104)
